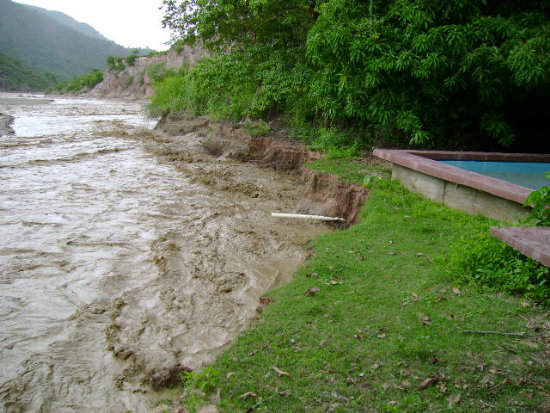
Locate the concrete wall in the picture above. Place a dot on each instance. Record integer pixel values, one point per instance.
(458, 196)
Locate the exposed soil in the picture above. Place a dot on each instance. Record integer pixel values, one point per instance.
(214, 269)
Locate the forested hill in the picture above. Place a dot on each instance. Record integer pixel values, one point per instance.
(58, 45)
(16, 76)
(62, 18)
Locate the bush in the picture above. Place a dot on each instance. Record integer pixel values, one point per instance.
(335, 144)
(115, 63)
(89, 80)
(540, 201)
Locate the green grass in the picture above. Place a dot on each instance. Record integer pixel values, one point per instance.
(387, 317)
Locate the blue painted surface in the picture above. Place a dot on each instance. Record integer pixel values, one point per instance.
(528, 174)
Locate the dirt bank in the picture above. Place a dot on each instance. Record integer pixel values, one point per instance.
(215, 266)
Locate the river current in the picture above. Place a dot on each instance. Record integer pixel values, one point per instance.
(116, 268)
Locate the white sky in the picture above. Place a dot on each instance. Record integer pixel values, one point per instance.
(130, 23)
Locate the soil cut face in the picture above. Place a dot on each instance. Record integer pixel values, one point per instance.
(228, 250)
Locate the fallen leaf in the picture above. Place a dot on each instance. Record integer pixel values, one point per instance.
(324, 343)
(381, 336)
(392, 253)
(419, 254)
(425, 321)
(334, 282)
(280, 372)
(439, 299)
(456, 290)
(433, 359)
(455, 400)
(442, 388)
(414, 296)
(525, 304)
(286, 393)
(393, 403)
(376, 366)
(229, 374)
(247, 395)
(313, 291)
(430, 381)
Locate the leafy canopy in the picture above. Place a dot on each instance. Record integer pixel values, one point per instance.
(469, 73)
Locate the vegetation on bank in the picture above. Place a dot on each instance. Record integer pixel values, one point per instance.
(472, 74)
(400, 312)
(87, 81)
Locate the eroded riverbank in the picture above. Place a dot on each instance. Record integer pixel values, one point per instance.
(128, 254)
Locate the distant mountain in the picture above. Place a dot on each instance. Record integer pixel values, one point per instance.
(62, 18)
(51, 42)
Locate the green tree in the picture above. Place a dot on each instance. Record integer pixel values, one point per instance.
(439, 73)
(222, 23)
(433, 70)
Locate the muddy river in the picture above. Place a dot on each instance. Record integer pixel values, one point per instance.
(126, 254)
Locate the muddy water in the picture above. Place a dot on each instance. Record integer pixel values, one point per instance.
(126, 255)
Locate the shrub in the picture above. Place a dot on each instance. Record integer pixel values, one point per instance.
(115, 63)
(540, 201)
(89, 80)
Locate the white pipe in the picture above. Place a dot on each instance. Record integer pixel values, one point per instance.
(304, 216)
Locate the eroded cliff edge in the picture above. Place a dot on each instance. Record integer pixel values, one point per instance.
(214, 269)
(135, 81)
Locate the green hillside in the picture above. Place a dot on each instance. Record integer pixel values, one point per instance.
(62, 18)
(41, 42)
(16, 76)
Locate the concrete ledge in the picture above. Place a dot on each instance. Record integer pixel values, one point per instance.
(493, 186)
(458, 196)
(531, 241)
(482, 156)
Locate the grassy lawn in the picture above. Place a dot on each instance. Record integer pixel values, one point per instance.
(376, 322)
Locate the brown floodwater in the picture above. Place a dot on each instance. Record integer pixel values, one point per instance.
(125, 254)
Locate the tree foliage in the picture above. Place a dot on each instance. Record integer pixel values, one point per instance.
(87, 81)
(441, 73)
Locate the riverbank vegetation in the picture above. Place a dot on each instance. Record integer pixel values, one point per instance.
(446, 75)
(416, 307)
(389, 315)
(87, 81)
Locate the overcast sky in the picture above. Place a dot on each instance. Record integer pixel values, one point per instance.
(130, 23)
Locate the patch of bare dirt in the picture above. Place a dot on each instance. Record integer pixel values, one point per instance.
(214, 268)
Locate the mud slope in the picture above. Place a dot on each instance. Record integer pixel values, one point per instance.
(214, 266)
